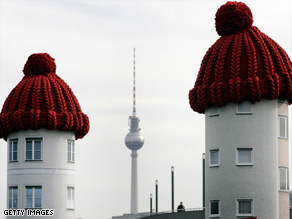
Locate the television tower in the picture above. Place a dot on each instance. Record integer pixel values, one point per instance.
(134, 140)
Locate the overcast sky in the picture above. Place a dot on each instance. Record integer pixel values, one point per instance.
(92, 43)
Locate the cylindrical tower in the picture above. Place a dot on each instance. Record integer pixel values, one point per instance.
(242, 160)
(134, 140)
(244, 88)
(43, 177)
(40, 120)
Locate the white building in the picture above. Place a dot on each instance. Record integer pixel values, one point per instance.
(244, 88)
(247, 160)
(41, 119)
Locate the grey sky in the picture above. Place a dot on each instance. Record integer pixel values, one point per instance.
(92, 43)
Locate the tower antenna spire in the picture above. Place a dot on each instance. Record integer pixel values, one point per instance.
(134, 84)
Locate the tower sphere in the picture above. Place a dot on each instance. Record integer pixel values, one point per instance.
(134, 140)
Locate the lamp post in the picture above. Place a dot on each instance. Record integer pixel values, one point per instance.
(150, 204)
(204, 177)
(172, 189)
(156, 195)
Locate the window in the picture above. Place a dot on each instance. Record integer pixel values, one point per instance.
(244, 108)
(214, 158)
(33, 196)
(13, 148)
(284, 178)
(70, 198)
(244, 156)
(33, 149)
(214, 111)
(13, 197)
(282, 101)
(283, 127)
(70, 151)
(244, 207)
(214, 208)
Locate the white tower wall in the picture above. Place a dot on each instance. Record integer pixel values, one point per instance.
(259, 181)
(54, 173)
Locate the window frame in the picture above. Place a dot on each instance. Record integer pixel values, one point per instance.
(33, 187)
(244, 214)
(210, 208)
(244, 112)
(11, 152)
(245, 164)
(11, 198)
(33, 139)
(286, 135)
(215, 113)
(283, 101)
(70, 203)
(71, 145)
(286, 179)
(218, 152)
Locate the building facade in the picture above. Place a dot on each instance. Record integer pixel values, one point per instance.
(247, 155)
(41, 171)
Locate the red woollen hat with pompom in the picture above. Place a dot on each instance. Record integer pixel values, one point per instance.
(42, 100)
(244, 64)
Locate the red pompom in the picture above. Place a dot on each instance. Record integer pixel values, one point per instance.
(39, 64)
(232, 18)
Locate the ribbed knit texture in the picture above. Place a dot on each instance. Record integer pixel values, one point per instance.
(42, 100)
(242, 65)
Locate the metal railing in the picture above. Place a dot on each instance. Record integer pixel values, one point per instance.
(170, 211)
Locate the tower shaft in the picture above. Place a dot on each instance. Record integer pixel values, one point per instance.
(134, 183)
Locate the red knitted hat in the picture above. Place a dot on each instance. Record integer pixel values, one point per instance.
(243, 64)
(42, 100)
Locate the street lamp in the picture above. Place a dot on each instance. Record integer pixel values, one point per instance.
(150, 204)
(156, 192)
(172, 189)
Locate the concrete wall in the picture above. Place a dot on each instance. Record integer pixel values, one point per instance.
(230, 182)
(53, 173)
